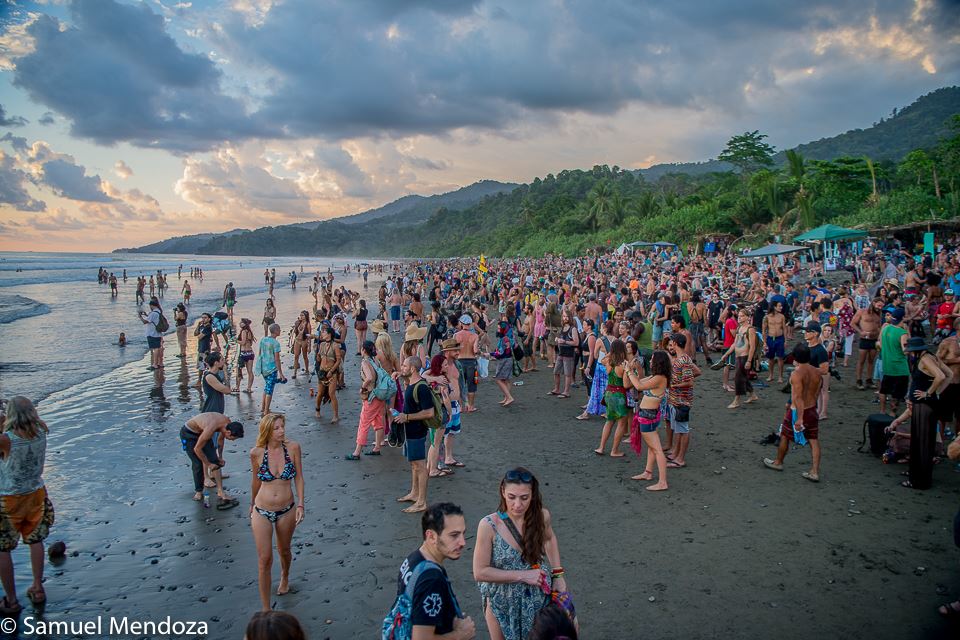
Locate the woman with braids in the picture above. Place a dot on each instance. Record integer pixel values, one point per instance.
(516, 561)
(652, 390)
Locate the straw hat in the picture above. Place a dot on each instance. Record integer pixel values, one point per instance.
(378, 326)
(414, 332)
(450, 344)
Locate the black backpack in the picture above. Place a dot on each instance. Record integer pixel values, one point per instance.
(874, 429)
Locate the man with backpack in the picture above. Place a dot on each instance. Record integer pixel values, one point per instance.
(156, 325)
(426, 606)
(419, 407)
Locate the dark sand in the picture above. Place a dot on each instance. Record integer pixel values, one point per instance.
(732, 549)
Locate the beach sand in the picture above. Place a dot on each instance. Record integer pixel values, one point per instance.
(732, 549)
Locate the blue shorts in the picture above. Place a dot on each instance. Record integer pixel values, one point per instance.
(153, 343)
(657, 333)
(269, 381)
(678, 427)
(395, 312)
(775, 348)
(415, 449)
(453, 425)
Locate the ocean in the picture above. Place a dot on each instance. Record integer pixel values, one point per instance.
(59, 327)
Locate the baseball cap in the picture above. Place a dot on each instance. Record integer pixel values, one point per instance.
(897, 314)
(948, 292)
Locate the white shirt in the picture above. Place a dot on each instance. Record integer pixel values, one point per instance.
(151, 327)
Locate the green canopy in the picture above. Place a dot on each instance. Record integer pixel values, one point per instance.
(830, 233)
(773, 250)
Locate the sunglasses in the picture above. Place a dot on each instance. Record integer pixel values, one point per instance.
(524, 477)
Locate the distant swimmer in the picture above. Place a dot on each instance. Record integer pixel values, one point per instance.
(122, 340)
(113, 285)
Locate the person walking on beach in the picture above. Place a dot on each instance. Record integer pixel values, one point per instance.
(516, 560)
(186, 292)
(327, 365)
(275, 461)
(269, 316)
(154, 325)
(229, 299)
(418, 406)
(200, 438)
(270, 367)
(469, 350)
(245, 360)
(180, 321)
(801, 421)
(25, 508)
(866, 323)
(302, 333)
(434, 610)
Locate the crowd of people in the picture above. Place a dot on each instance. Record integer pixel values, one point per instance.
(630, 334)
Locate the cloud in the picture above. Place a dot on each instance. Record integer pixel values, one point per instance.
(69, 180)
(122, 170)
(13, 183)
(47, 118)
(118, 76)
(351, 179)
(10, 121)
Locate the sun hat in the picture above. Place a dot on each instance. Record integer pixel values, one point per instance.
(916, 343)
(414, 332)
(378, 326)
(450, 344)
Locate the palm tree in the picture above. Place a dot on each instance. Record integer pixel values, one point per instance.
(647, 204)
(802, 209)
(874, 196)
(527, 211)
(598, 204)
(618, 209)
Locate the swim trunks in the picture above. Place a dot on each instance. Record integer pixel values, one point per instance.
(27, 516)
(269, 381)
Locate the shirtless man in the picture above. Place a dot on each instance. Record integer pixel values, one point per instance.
(328, 361)
(774, 336)
(469, 350)
(801, 415)
(593, 311)
(199, 438)
(697, 310)
(679, 328)
(949, 354)
(866, 323)
(186, 292)
(915, 280)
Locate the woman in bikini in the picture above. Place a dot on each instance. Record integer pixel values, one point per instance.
(301, 343)
(269, 316)
(615, 399)
(360, 325)
(275, 462)
(328, 362)
(653, 389)
(245, 362)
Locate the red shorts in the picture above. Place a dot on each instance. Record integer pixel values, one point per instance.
(26, 516)
(811, 424)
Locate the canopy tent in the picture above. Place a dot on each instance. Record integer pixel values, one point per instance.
(831, 233)
(773, 250)
(626, 246)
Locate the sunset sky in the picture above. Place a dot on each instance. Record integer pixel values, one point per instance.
(124, 123)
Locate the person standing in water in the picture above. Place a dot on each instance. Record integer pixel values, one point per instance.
(180, 321)
(275, 461)
(186, 292)
(25, 509)
(270, 366)
(229, 299)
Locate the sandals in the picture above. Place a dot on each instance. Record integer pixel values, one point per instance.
(455, 463)
(350, 456)
(372, 452)
(442, 473)
(227, 503)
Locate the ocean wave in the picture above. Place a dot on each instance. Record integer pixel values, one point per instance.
(14, 307)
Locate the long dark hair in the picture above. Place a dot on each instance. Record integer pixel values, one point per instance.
(534, 526)
(274, 625)
(618, 353)
(660, 365)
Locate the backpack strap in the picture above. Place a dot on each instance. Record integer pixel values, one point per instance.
(422, 568)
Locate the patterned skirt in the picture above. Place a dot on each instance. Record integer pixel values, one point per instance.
(595, 406)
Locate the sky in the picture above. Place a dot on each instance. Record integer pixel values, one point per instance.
(124, 123)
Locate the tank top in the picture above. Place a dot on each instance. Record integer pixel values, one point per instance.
(212, 399)
(919, 381)
(22, 470)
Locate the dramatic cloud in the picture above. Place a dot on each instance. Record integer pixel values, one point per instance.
(10, 121)
(13, 183)
(47, 118)
(71, 181)
(117, 75)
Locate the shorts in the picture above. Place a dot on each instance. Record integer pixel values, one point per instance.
(564, 365)
(657, 333)
(895, 386)
(415, 449)
(230, 303)
(696, 329)
(868, 344)
(811, 424)
(775, 347)
(269, 381)
(246, 356)
(647, 420)
(153, 343)
(453, 425)
(505, 368)
(27, 517)
(470, 373)
(395, 312)
(678, 427)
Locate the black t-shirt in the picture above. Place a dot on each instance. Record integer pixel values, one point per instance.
(432, 603)
(818, 355)
(424, 398)
(203, 343)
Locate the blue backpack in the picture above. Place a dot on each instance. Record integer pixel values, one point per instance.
(385, 387)
(398, 624)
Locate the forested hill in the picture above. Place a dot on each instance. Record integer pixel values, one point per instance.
(918, 126)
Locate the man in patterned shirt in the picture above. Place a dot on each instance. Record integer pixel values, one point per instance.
(679, 401)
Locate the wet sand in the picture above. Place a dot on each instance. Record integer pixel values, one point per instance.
(732, 549)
